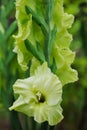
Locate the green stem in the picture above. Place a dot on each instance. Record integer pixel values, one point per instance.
(10, 7)
(32, 124)
(51, 127)
(38, 19)
(83, 29)
(10, 30)
(44, 126)
(14, 121)
(26, 123)
(48, 36)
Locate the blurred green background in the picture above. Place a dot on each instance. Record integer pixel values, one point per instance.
(74, 95)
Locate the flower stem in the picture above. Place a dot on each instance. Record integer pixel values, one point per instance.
(26, 123)
(32, 124)
(44, 126)
(14, 121)
(51, 127)
(47, 36)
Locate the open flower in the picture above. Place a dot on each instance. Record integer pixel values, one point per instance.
(40, 96)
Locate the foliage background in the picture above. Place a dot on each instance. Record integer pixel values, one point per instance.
(74, 95)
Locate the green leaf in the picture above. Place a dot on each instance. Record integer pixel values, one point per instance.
(38, 19)
(10, 57)
(11, 29)
(33, 50)
(3, 67)
(51, 8)
(40, 50)
(53, 66)
(52, 40)
(9, 7)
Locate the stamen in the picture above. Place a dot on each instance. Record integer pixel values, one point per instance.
(40, 97)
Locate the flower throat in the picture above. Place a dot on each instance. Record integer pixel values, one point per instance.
(40, 97)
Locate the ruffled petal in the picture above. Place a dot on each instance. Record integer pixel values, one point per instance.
(45, 81)
(54, 114)
(67, 74)
(22, 106)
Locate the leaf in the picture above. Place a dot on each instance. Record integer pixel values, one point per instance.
(51, 8)
(52, 40)
(33, 50)
(53, 66)
(11, 29)
(38, 19)
(40, 50)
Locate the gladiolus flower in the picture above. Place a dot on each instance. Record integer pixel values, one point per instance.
(39, 96)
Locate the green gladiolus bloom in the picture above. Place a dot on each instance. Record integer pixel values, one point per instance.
(27, 29)
(61, 52)
(24, 24)
(39, 96)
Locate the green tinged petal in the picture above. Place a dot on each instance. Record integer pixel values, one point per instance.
(21, 106)
(67, 74)
(63, 39)
(64, 56)
(23, 55)
(54, 114)
(61, 19)
(35, 64)
(68, 20)
(40, 113)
